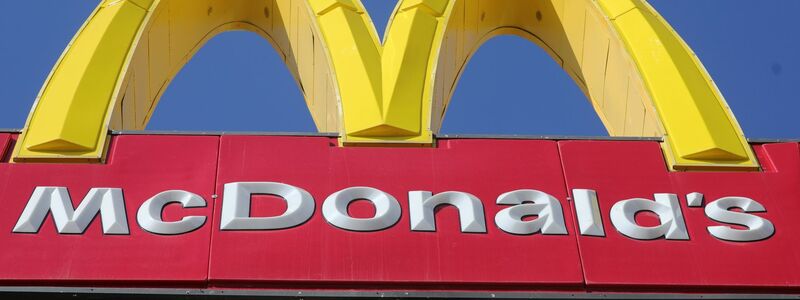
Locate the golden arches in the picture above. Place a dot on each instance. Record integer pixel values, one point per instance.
(639, 75)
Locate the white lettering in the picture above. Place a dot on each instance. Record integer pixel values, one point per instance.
(236, 206)
(421, 205)
(588, 212)
(387, 210)
(758, 228)
(108, 202)
(149, 216)
(550, 218)
(672, 227)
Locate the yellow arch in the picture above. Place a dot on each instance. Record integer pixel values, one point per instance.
(639, 75)
(641, 78)
(114, 71)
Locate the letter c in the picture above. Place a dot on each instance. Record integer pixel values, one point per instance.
(149, 215)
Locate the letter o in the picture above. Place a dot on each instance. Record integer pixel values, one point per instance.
(387, 209)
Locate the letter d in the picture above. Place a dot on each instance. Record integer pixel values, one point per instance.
(672, 227)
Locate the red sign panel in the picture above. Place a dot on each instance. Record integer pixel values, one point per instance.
(5, 143)
(317, 253)
(624, 170)
(142, 166)
(468, 214)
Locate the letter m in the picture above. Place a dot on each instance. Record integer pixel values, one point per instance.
(109, 202)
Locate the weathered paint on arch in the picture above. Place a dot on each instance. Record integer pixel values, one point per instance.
(638, 74)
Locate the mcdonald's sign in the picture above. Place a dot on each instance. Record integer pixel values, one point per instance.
(383, 205)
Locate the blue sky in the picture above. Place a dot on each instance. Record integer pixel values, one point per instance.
(238, 83)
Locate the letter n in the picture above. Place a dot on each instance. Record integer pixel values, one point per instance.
(422, 206)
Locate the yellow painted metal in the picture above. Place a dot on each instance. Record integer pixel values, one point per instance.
(76, 96)
(382, 84)
(701, 130)
(640, 77)
(118, 65)
(638, 74)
